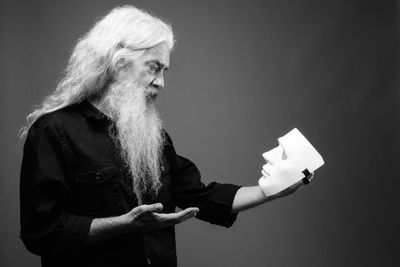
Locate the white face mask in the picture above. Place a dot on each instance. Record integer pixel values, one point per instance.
(288, 163)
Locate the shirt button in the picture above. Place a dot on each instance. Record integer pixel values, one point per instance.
(162, 168)
(98, 176)
(148, 261)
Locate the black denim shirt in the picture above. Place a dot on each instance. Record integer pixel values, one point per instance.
(71, 173)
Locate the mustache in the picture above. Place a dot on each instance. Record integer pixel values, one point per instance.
(151, 91)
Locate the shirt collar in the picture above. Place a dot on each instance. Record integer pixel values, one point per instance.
(90, 111)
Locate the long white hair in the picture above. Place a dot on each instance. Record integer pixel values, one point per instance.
(121, 35)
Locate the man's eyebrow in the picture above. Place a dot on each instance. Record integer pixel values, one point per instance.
(158, 63)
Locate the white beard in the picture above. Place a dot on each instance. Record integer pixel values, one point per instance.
(138, 134)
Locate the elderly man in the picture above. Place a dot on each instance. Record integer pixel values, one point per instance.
(100, 178)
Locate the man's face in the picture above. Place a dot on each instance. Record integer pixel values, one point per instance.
(149, 70)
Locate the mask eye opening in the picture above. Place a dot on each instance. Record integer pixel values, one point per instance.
(284, 155)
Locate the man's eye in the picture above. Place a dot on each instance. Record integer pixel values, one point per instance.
(153, 68)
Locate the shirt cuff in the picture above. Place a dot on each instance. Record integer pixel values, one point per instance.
(219, 206)
(75, 229)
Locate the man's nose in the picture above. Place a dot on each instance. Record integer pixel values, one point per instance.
(158, 82)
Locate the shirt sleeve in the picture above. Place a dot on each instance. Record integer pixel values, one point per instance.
(213, 200)
(45, 224)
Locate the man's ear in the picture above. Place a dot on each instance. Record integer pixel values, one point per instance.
(121, 64)
(120, 68)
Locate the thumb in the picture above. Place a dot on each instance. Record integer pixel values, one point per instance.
(156, 207)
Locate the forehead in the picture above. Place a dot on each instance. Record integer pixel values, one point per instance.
(159, 53)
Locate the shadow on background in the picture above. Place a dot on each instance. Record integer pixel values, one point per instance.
(241, 76)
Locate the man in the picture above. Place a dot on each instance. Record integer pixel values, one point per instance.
(100, 178)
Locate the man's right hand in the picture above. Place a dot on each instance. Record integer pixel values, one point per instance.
(144, 217)
(147, 217)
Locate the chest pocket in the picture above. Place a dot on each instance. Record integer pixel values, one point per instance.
(96, 177)
(98, 191)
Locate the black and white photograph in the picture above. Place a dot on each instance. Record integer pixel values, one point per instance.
(199, 133)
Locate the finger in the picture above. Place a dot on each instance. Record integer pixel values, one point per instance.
(157, 207)
(175, 218)
(184, 217)
(193, 210)
(187, 213)
(306, 180)
(310, 176)
(298, 184)
(294, 187)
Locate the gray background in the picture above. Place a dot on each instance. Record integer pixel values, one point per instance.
(244, 73)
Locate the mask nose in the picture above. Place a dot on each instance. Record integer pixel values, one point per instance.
(274, 155)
